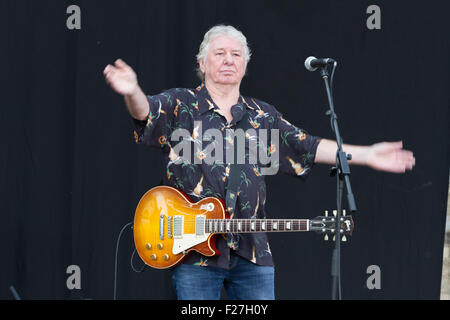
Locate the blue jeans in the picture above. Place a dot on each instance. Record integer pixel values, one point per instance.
(243, 281)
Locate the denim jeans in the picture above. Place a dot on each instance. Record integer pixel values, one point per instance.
(243, 280)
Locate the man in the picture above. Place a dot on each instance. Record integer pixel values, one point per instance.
(245, 265)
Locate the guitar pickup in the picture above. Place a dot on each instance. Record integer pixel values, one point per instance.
(200, 225)
(178, 227)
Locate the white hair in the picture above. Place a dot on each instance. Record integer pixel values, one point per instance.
(216, 32)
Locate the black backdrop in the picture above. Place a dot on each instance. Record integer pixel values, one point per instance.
(71, 175)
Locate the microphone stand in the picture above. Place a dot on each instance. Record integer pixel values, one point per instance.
(342, 171)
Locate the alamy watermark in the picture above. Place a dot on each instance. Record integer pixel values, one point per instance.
(374, 280)
(261, 152)
(74, 279)
(74, 20)
(374, 20)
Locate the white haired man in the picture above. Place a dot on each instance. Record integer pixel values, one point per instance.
(245, 266)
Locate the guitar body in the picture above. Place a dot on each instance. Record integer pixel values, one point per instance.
(164, 226)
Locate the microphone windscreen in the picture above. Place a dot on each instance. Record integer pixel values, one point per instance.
(308, 63)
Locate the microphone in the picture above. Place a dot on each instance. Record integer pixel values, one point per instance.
(312, 63)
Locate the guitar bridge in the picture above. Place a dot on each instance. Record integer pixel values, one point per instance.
(169, 227)
(161, 227)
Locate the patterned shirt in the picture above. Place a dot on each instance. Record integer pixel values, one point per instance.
(194, 110)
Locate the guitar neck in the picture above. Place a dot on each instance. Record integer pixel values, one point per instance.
(255, 225)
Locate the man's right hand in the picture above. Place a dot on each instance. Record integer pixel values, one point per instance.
(121, 78)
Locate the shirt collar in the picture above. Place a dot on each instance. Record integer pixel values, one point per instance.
(205, 103)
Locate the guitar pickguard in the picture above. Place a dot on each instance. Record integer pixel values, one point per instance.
(188, 241)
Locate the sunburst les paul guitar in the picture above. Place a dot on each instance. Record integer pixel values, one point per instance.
(168, 225)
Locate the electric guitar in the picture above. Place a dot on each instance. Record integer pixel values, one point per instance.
(168, 225)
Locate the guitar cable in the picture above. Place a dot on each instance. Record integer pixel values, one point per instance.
(116, 258)
(132, 255)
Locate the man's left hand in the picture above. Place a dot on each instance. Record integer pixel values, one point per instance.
(390, 157)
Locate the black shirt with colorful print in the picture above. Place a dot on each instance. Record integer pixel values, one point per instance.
(194, 112)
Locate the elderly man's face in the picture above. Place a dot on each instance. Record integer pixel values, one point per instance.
(225, 61)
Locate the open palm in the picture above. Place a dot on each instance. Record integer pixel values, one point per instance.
(390, 157)
(121, 78)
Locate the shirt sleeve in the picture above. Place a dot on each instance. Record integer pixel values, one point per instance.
(297, 148)
(157, 128)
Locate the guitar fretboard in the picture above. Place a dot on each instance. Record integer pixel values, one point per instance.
(255, 225)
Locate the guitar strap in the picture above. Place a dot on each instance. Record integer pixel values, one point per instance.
(235, 170)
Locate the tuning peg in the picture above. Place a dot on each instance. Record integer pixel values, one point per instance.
(343, 212)
(334, 213)
(334, 238)
(326, 237)
(326, 213)
(344, 238)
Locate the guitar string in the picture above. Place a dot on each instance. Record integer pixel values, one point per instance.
(190, 222)
(259, 219)
(302, 223)
(247, 225)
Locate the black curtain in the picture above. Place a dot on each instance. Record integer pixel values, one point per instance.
(71, 174)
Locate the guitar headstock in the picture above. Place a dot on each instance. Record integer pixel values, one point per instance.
(328, 225)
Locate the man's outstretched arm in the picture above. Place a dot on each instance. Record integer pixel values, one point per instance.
(383, 156)
(123, 80)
